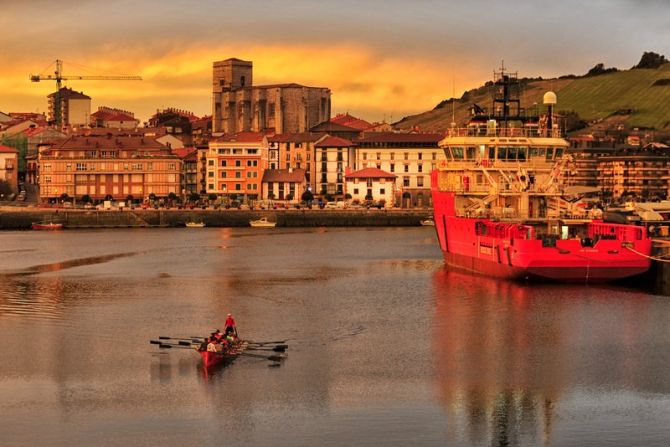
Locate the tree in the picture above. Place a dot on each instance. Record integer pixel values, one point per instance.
(368, 196)
(152, 196)
(572, 121)
(289, 196)
(329, 198)
(64, 197)
(86, 198)
(271, 195)
(600, 69)
(129, 198)
(307, 196)
(172, 196)
(347, 196)
(212, 197)
(193, 197)
(650, 59)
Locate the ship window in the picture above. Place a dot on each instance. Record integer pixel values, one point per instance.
(492, 152)
(511, 153)
(521, 154)
(482, 151)
(470, 153)
(457, 153)
(541, 152)
(502, 153)
(550, 153)
(533, 152)
(559, 152)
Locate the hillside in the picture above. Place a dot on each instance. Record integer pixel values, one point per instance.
(623, 97)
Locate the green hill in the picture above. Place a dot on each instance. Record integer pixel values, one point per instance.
(636, 98)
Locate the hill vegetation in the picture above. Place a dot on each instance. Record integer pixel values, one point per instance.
(606, 97)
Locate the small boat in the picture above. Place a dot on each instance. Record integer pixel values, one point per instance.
(212, 359)
(263, 222)
(47, 226)
(195, 224)
(428, 222)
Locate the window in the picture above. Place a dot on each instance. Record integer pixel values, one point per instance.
(238, 151)
(47, 167)
(288, 157)
(420, 167)
(406, 155)
(238, 187)
(308, 156)
(172, 166)
(81, 166)
(238, 174)
(47, 178)
(419, 181)
(406, 168)
(365, 156)
(249, 174)
(368, 183)
(238, 163)
(434, 155)
(355, 191)
(252, 151)
(392, 156)
(68, 167)
(379, 155)
(210, 174)
(392, 167)
(382, 191)
(223, 174)
(420, 155)
(405, 182)
(223, 163)
(210, 186)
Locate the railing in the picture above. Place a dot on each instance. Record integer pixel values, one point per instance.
(503, 132)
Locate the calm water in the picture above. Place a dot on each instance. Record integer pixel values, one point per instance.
(386, 346)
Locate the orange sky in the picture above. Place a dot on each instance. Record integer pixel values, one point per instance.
(381, 59)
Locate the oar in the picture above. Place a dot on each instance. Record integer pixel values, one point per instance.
(274, 358)
(278, 349)
(252, 342)
(162, 337)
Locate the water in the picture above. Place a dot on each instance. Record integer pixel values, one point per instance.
(386, 346)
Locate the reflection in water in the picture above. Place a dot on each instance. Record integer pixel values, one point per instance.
(505, 352)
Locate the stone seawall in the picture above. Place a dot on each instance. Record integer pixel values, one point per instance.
(22, 218)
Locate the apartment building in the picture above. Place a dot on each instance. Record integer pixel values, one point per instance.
(333, 155)
(410, 156)
(107, 166)
(235, 165)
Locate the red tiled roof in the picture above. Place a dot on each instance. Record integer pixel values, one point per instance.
(184, 152)
(106, 115)
(242, 137)
(350, 121)
(7, 150)
(392, 137)
(123, 142)
(331, 141)
(283, 175)
(302, 137)
(370, 173)
(328, 126)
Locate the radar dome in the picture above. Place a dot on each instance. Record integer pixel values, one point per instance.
(549, 98)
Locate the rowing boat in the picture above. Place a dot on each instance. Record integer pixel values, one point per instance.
(212, 359)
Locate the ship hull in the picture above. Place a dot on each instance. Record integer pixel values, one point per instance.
(568, 260)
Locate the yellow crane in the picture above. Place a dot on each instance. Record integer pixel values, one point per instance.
(58, 76)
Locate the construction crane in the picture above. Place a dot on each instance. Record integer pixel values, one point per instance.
(58, 76)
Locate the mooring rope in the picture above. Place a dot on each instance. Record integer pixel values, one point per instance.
(653, 258)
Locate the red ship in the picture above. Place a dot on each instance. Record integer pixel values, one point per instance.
(502, 209)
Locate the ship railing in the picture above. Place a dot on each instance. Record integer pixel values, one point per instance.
(487, 163)
(503, 132)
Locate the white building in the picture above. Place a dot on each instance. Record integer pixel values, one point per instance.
(371, 184)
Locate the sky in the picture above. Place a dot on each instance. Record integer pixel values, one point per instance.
(382, 59)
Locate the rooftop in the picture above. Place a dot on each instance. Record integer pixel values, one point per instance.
(284, 175)
(370, 173)
(7, 150)
(331, 141)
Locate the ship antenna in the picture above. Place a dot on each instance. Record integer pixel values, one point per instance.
(453, 101)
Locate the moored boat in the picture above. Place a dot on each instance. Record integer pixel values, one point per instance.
(192, 224)
(47, 226)
(263, 222)
(501, 206)
(428, 222)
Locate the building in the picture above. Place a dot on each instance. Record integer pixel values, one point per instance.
(351, 121)
(371, 184)
(283, 184)
(107, 166)
(75, 108)
(642, 173)
(410, 156)
(240, 106)
(332, 157)
(109, 117)
(189, 178)
(296, 151)
(8, 171)
(235, 165)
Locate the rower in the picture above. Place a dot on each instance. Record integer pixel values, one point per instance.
(212, 345)
(231, 327)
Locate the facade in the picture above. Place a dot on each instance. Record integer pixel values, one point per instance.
(75, 107)
(295, 151)
(240, 106)
(643, 173)
(372, 184)
(109, 117)
(410, 156)
(283, 184)
(189, 177)
(235, 165)
(8, 170)
(332, 157)
(107, 166)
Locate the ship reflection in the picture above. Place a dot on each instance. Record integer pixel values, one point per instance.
(499, 363)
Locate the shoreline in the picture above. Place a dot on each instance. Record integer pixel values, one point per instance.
(22, 218)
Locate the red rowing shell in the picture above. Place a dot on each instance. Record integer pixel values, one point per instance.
(212, 359)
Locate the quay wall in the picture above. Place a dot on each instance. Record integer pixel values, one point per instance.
(22, 218)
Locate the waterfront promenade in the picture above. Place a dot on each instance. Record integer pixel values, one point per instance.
(14, 218)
